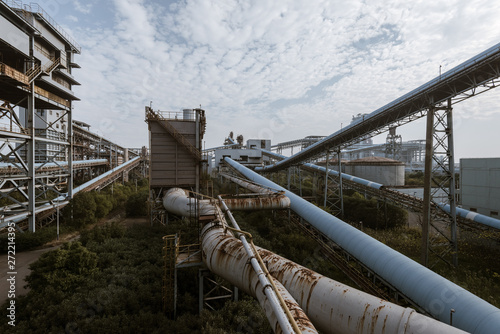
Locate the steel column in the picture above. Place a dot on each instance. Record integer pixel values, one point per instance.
(440, 172)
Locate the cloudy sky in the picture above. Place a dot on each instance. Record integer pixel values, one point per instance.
(280, 70)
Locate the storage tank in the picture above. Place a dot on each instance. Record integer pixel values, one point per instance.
(378, 169)
(188, 114)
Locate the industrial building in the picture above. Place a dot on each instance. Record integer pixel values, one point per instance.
(36, 79)
(175, 153)
(480, 185)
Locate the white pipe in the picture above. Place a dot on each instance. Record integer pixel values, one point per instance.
(177, 201)
(279, 312)
(332, 306)
(236, 268)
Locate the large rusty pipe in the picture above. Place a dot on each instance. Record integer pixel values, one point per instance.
(282, 313)
(252, 186)
(226, 256)
(337, 308)
(333, 307)
(271, 202)
(177, 201)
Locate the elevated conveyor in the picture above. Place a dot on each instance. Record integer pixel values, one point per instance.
(468, 79)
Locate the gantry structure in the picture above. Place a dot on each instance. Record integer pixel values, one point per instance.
(433, 100)
(41, 146)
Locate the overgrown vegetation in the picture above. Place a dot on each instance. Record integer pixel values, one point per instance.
(110, 281)
(87, 208)
(372, 213)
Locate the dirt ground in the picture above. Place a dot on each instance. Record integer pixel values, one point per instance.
(24, 259)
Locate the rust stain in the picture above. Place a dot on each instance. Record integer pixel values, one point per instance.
(375, 316)
(385, 323)
(310, 293)
(361, 322)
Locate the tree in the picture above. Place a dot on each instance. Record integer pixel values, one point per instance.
(65, 267)
(81, 210)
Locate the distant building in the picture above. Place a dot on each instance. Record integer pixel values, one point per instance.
(246, 157)
(57, 131)
(264, 144)
(480, 185)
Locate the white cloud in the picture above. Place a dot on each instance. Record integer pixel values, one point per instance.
(268, 67)
(83, 8)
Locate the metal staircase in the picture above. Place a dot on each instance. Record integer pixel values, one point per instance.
(33, 72)
(152, 115)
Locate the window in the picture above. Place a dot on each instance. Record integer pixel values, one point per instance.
(50, 112)
(473, 209)
(493, 213)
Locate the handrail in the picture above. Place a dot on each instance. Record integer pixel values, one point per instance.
(152, 115)
(37, 9)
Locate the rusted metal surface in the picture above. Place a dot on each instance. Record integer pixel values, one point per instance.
(332, 307)
(277, 202)
(252, 186)
(349, 310)
(225, 256)
(177, 201)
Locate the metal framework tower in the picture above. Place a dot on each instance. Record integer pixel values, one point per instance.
(394, 145)
(35, 77)
(439, 235)
(333, 195)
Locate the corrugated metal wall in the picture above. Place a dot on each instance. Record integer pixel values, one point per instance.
(171, 163)
(480, 185)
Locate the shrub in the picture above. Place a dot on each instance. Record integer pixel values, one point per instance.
(81, 210)
(137, 204)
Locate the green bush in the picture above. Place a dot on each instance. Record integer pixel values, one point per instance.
(64, 268)
(137, 204)
(81, 210)
(104, 204)
(28, 240)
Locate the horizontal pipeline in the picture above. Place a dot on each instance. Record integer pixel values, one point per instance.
(258, 203)
(474, 216)
(177, 201)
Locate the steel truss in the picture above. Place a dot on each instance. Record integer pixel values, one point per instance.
(471, 78)
(394, 145)
(333, 200)
(26, 187)
(439, 232)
